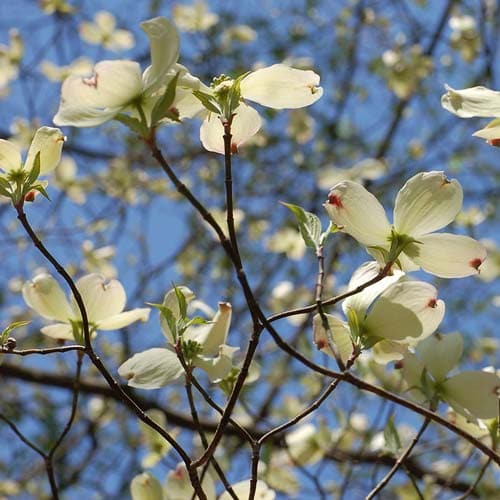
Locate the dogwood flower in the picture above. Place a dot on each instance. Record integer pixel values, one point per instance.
(472, 102)
(117, 86)
(391, 314)
(194, 17)
(146, 487)
(104, 304)
(178, 485)
(426, 203)
(204, 346)
(103, 32)
(473, 394)
(47, 141)
(242, 490)
(278, 86)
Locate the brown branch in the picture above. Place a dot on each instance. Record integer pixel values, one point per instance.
(89, 351)
(48, 463)
(100, 389)
(399, 462)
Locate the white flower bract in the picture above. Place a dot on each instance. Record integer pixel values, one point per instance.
(47, 141)
(104, 303)
(278, 86)
(426, 203)
(118, 86)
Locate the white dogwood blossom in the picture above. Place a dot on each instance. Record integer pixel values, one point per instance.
(146, 487)
(47, 141)
(206, 343)
(473, 394)
(476, 102)
(103, 32)
(391, 315)
(426, 203)
(278, 86)
(118, 86)
(104, 303)
(178, 486)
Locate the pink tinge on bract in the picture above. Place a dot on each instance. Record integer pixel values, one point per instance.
(334, 200)
(494, 142)
(476, 263)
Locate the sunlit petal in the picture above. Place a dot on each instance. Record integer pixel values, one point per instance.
(440, 354)
(217, 367)
(340, 336)
(76, 116)
(10, 156)
(48, 142)
(391, 316)
(112, 86)
(246, 123)
(146, 487)
(102, 299)
(474, 101)
(164, 48)
(179, 485)
(44, 294)
(151, 369)
(281, 87)
(358, 213)
(386, 351)
(124, 319)
(489, 133)
(473, 393)
(360, 302)
(447, 255)
(427, 202)
(212, 335)
(242, 490)
(58, 331)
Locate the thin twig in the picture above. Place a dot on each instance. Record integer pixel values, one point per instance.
(74, 406)
(44, 351)
(204, 440)
(113, 383)
(48, 465)
(473, 486)
(385, 480)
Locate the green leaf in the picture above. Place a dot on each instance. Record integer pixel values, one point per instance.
(169, 318)
(391, 436)
(163, 104)
(34, 172)
(208, 101)
(233, 98)
(77, 329)
(309, 225)
(197, 320)
(4, 182)
(132, 123)
(181, 300)
(41, 190)
(4, 191)
(426, 385)
(6, 332)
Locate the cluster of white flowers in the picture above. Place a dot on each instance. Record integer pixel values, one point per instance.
(395, 317)
(476, 101)
(117, 86)
(104, 303)
(204, 346)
